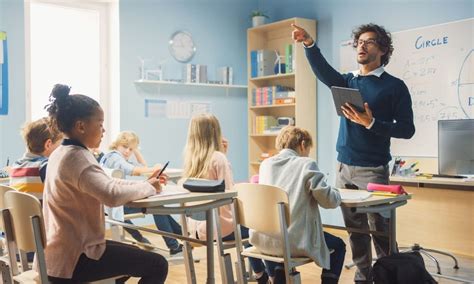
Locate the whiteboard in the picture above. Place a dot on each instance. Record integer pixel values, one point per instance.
(437, 65)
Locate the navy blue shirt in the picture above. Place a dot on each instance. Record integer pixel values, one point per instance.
(388, 98)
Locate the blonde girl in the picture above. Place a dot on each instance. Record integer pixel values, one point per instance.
(204, 157)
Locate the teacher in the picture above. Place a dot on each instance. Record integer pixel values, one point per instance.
(363, 142)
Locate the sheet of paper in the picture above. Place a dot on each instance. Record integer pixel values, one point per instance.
(355, 195)
(170, 190)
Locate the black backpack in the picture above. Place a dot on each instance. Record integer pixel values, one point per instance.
(402, 268)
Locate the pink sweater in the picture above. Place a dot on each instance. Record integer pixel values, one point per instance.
(220, 169)
(76, 188)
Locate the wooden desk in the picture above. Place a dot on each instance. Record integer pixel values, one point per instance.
(440, 216)
(422, 182)
(376, 204)
(210, 203)
(5, 181)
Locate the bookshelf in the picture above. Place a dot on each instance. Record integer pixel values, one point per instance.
(277, 36)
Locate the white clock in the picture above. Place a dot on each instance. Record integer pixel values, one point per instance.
(182, 46)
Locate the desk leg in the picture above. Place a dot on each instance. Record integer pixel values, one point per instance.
(188, 257)
(392, 238)
(210, 247)
(225, 262)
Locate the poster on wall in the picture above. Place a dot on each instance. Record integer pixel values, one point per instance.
(3, 74)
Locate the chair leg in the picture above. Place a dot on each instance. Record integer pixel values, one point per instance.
(445, 253)
(420, 249)
(295, 277)
(5, 272)
(433, 259)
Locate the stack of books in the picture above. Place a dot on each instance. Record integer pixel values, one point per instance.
(272, 95)
(225, 75)
(264, 124)
(262, 62)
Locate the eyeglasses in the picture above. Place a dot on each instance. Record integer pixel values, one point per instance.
(369, 42)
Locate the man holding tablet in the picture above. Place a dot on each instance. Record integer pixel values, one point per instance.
(363, 143)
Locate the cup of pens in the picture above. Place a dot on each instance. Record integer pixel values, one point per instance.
(400, 168)
(409, 171)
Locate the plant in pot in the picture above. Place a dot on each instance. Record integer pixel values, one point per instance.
(258, 18)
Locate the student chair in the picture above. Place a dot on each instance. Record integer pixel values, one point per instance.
(4, 262)
(24, 230)
(3, 190)
(265, 209)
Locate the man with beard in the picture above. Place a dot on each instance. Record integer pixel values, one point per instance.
(363, 142)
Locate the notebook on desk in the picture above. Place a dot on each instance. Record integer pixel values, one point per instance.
(355, 195)
(170, 190)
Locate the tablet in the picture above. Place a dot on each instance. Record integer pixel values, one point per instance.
(346, 95)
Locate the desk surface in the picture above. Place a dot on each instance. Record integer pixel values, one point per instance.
(182, 198)
(373, 200)
(434, 180)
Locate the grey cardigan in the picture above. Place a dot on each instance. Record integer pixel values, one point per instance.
(306, 187)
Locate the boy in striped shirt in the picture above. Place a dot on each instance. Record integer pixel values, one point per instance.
(28, 173)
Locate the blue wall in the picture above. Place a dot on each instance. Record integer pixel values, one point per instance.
(219, 31)
(12, 22)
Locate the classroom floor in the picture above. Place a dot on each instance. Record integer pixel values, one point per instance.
(310, 273)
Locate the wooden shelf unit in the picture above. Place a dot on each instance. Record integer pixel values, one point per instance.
(275, 36)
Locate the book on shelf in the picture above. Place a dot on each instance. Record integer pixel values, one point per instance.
(268, 95)
(264, 122)
(262, 62)
(289, 58)
(225, 75)
(283, 101)
(195, 73)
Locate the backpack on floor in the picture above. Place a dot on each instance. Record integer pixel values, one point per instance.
(402, 268)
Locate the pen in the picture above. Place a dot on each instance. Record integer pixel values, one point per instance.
(414, 164)
(8, 161)
(162, 170)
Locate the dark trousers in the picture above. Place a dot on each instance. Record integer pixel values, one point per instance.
(336, 258)
(358, 177)
(164, 223)
(119, 259)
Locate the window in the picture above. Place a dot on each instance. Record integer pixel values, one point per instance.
(71, 43)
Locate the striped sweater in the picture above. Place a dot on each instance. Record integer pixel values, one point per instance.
(28, 174)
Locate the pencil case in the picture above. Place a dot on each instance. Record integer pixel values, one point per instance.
(204, 185)
(393, 188)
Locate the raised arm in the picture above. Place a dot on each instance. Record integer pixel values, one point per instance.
(324, 72)
(139, 157)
